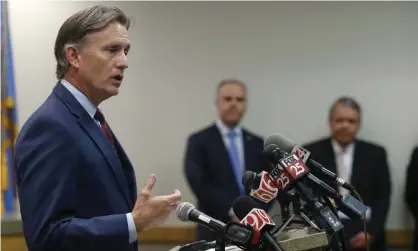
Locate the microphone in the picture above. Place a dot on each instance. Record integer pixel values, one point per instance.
(288, 173)
(297, 170)
(289, 146)
(239, 234)
(288, 167)
(262, 188)
(246, 209)
(185, 211)
(348, 205)
(197, 246)
(242, 235)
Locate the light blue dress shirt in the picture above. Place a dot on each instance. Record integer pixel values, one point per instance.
(91, 110)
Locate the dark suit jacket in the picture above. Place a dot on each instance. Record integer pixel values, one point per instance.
(411, 191)
(74, 190)
(209, 171)
(370, 177)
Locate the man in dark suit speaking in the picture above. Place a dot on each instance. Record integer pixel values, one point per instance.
(217, 156)
(76, 186)
(364, 165)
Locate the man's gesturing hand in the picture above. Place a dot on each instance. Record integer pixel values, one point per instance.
(150, 211)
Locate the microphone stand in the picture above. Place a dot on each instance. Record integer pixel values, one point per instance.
(220, 244)
(285, 199)
(323, 214)
(343, 240)
(298, 217)
(340, 241)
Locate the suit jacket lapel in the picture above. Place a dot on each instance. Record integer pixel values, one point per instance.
(222, 147)
(96, 135)
(246, 141)
(330, 158)
(128, 166)
(108, 152)
(357, 157)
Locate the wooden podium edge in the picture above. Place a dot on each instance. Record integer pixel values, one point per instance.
(185, 234)
(402, 238)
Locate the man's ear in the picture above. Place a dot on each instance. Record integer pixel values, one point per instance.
(72, 54)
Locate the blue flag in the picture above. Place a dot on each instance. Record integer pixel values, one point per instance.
(9, 127)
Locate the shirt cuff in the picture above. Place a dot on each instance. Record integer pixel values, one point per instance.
(133, 236)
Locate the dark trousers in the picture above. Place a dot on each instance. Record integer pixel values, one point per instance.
(415, 239)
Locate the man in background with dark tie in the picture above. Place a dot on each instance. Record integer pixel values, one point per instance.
(364, 165)
(217, 156)
(76, 185)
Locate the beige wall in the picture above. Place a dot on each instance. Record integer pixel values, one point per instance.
(295, 56)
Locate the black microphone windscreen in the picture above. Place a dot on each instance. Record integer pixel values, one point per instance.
(243, 205)
(268, 150)
(273, 153)
(280, 141)
(247, 179)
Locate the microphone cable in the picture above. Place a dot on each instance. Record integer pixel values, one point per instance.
(364, 219)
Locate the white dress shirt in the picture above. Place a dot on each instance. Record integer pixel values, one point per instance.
(347, 168)
(348, 156)
(91, 110)
(224, 130)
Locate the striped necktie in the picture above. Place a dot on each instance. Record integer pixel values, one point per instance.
(105, 127)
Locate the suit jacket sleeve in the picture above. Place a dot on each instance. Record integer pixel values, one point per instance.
(47, 165)
(382, 189)
(412, 184)
(194, 169)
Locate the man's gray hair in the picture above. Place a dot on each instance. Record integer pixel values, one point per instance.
(346, 101)
(79, 27)
(230, 81)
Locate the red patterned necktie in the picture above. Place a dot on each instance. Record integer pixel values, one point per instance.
(105, 127)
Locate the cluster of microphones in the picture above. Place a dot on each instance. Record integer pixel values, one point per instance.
(292, 178)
